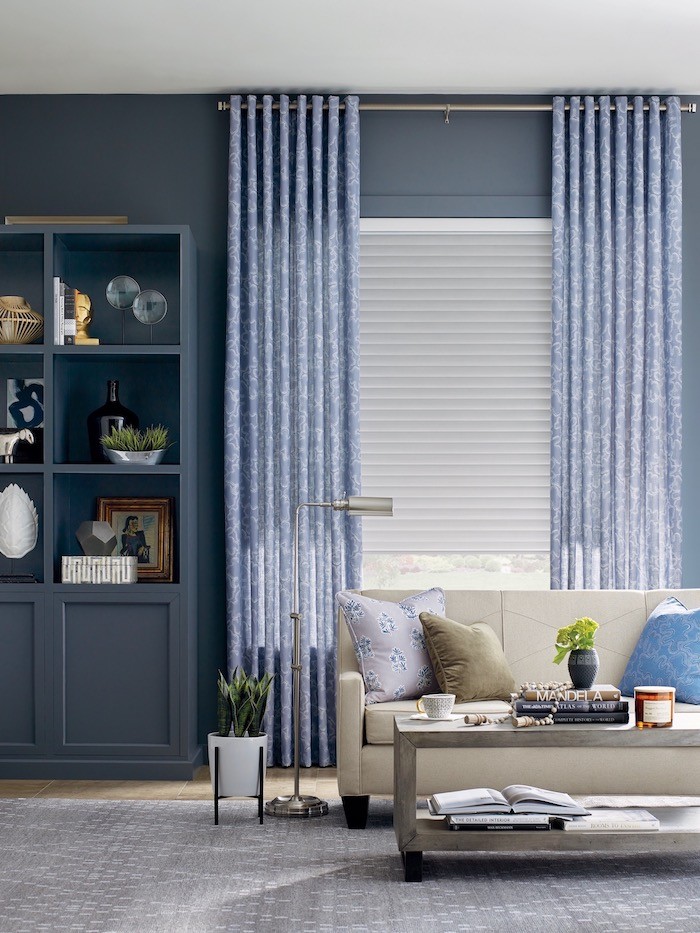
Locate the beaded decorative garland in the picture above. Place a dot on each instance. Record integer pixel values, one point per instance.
(520, 722)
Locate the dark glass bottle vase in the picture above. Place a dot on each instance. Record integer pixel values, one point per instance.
(110, 415)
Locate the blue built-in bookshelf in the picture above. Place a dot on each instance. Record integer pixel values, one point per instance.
(98, 681)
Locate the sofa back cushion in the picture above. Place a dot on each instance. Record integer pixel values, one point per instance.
(526, 623)
(531, 621)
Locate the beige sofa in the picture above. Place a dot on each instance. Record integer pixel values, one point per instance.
(526, 623)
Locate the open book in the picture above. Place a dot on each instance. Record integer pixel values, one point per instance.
(516, 798)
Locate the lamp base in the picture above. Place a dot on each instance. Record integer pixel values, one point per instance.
(303, 806)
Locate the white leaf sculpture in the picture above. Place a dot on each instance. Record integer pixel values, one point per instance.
(19, 522)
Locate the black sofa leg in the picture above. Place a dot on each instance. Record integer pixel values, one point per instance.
(356, 811)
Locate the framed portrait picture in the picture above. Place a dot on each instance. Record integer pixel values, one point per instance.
(144, 530)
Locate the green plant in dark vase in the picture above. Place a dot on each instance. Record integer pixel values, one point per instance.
(577, 640)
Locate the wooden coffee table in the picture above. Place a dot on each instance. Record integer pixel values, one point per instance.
(417, 833)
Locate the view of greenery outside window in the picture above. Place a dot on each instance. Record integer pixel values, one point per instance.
(456, 571)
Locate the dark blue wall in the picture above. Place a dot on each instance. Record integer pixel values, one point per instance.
(159, 160)
(162, 160)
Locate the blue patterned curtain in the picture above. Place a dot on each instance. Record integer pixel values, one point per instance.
(292, 397)
(616, 344)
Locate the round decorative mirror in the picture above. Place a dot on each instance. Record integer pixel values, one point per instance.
(122, 291)
(150, 307)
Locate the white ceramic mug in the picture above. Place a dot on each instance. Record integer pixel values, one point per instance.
(436, 705)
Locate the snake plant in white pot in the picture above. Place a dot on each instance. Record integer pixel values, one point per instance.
(241, 708)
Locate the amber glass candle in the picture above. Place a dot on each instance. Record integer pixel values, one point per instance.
(653, 707)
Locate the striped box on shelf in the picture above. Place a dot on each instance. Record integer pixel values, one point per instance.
(99, 570)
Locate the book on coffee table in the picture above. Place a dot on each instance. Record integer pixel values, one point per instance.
(498, 821)
(516, 798)
(608, 820)
(596, 693)
(533, 707)
(568, 717)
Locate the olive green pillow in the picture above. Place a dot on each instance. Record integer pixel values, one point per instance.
(468, 659)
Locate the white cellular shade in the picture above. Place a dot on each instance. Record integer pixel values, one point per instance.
(455, 385)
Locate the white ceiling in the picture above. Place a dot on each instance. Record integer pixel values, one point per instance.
(363, 46)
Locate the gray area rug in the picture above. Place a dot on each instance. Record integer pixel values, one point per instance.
(102, 866)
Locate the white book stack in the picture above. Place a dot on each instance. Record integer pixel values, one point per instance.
(99, 570)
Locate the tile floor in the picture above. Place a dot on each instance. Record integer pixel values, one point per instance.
(319, 781)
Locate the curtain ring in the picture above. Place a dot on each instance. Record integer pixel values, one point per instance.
(447, 114)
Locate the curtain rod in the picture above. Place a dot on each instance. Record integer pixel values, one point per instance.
(447, 109)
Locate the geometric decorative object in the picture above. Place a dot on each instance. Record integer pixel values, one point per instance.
(18, 322)
(97, 539)
(99, 569)
(19, 522)
(296, 804)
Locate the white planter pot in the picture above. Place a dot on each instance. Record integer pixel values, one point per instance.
(239, 760)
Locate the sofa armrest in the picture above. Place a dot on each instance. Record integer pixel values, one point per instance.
(350, 731)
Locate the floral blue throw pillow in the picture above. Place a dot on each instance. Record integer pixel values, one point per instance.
(389, 643)
(667, 653)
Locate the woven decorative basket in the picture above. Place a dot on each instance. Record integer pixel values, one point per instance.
(18, 323)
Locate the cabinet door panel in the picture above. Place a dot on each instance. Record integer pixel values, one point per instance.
(21, 673)
(118, 683)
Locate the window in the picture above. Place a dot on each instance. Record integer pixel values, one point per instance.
(455, 401)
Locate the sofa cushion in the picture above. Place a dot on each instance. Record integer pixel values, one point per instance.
(379, 719)
(468, 659)
(531, 621)
(389, 643)
(668, 652)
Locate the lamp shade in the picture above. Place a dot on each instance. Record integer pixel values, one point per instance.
(368, 505)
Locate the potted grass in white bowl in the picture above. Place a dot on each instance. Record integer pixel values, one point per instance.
(129, 445)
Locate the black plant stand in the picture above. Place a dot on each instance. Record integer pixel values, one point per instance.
(259, 795)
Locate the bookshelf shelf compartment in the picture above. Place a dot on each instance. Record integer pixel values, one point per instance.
(89, 264)
(75, 501)
(22, 273)
(33, 562)
(148, 386)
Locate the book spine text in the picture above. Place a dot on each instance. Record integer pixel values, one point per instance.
(574, 706)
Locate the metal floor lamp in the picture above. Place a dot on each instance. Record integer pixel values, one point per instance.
(298, 804)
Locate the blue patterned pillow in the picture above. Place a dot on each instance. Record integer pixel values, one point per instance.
(389, 643)
(667, 653)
